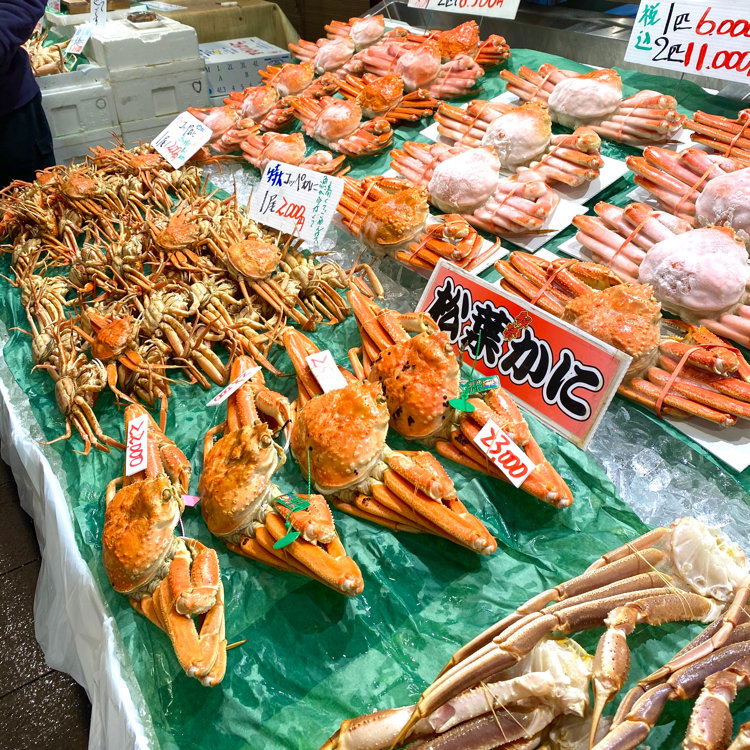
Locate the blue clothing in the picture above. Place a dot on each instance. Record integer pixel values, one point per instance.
(17, 21)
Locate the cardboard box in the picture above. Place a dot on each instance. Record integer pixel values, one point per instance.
(233, 65)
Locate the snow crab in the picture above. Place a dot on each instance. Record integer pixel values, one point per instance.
(168, 579)
(701, 274)
(728, 137)
(363, 32)
(595, 99)
(703, 189)
(522, 137)
(383, 96)
(242, 506)
(292, 79)
(289, 148)
(467, 181)
(329, 55)
(420, 375)
(389, 216)
(421, 67)
(342, 433)
(686, 372)
(228, 128)
(262, 105)
(337, 124)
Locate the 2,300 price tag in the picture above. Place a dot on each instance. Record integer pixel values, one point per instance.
(491, 8)
(296, 200)
(496, 444)
(181, 139)
(136, 445)
(326, 371)
(693, 36)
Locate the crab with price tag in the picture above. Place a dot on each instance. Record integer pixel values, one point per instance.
(242, 506)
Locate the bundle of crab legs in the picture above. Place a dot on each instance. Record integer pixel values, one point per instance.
(524, 683)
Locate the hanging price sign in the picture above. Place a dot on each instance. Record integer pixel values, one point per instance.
(562, 375)
(136, 445)
(693, 36)
(490, 8)
(296, 200)
(79, 39)
(181, 139)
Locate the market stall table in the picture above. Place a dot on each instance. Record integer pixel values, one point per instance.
(312, 657)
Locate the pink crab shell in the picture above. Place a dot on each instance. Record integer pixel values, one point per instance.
(465, 181)
(587, 98)
(726, 200)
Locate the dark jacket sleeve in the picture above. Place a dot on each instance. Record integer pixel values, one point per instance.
(17, 21)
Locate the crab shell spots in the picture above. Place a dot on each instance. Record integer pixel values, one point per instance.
(463, 40)
(419, 67)
(254, 259)
(381, 94)
(520, 135)
(419, 377)
(333, 55)
(258, 101)
(293, 79)
(465, 181)
(586, 98)
(367, 31)
(288, 149)
(138, 532)
(726, 200)
(339, 119)
(625, 316)
(236, 477)
(113, 338)
(395, 219)
(343, 432)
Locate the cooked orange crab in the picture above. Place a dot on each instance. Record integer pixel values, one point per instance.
(341, 436)
(242, 506)
(420, 375)
(168, 579)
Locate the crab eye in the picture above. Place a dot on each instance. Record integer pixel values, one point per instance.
(166, 495)
(265, 441)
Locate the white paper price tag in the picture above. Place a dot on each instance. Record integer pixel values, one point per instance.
(490, 8)
(326, 371)
(98, 12)
(296, 200)
(54, 5)
(136, 445)
(504, 453)
(79, 39)
(181, 139)
(693, 36)
(232, 387)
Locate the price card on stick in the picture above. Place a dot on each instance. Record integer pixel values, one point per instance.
(296, 200)
(181, 139)
(489, 8)
(98, 12)
(562, 375)
(326, 371)
(136, 445)
(224, 394)
(497, 445)
(693, 36)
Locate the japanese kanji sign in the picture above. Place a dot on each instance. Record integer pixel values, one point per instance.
(296, 200)
(99, 12)
(492, 8)
(693, 36)
(80, 37)
(562, 375)
(181, 139)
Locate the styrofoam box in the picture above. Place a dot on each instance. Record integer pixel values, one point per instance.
(143, 130)
(233, 65)
(63, 24)
(85, 103)
(77, 146)
(156, 90)
(117, 45)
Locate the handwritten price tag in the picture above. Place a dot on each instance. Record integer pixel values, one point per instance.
(79, 39)
(54, 5)
(181, 139)
(99, 12)
(693, 36)
(136, 445)
(222, 396)
(326, 371)
(504, 453)
(296, 200)
(491, 8)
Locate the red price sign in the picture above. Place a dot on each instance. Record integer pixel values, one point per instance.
(562, 375)
(693, 36)
(493, 8)
(496, 444)
(136, 445)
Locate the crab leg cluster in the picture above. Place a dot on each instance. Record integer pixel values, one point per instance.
(170, 580)
(464, 39)
(729, 137)
(290, 148)
(694, 373)
(595, 99)
(341, 434)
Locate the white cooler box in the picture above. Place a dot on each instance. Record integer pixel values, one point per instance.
(157, 90)
(233, 65)
(77, 147)
(78, 102)
(118, 45)
(135, 131)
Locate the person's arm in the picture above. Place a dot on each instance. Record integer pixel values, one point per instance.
(17, 21)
